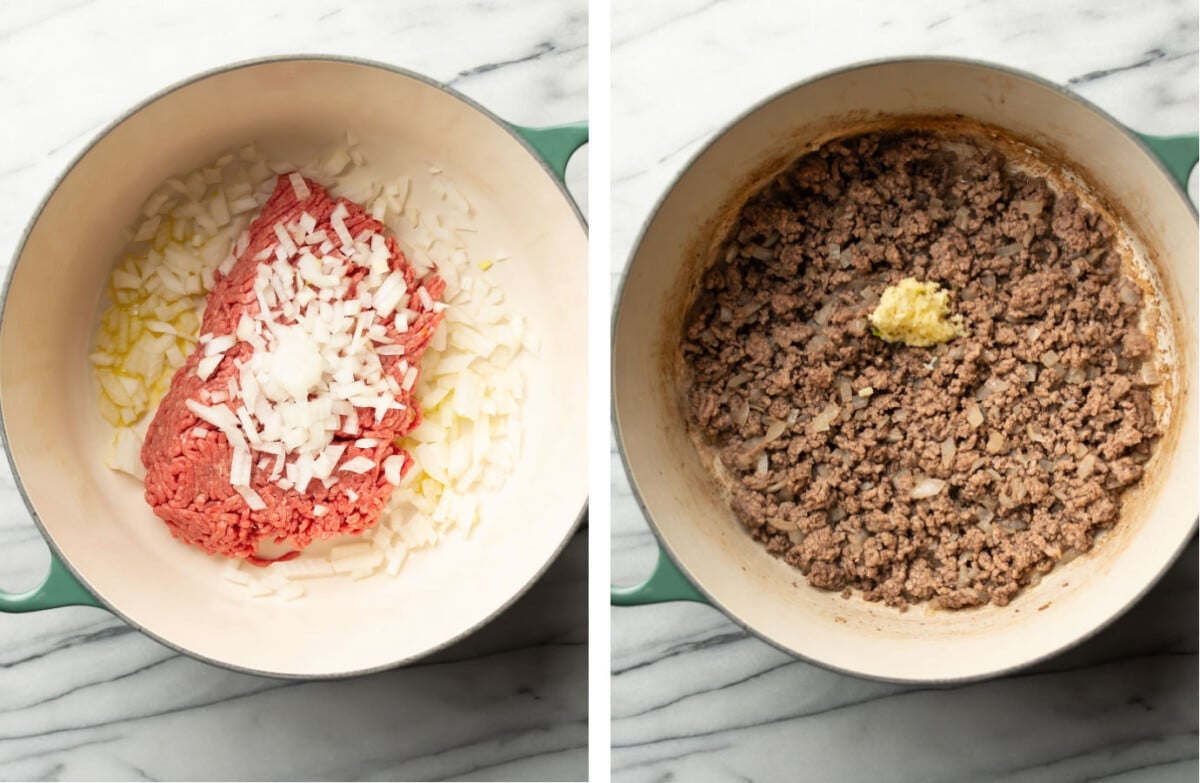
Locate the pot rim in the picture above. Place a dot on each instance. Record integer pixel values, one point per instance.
(22, 240)
(1063, 93)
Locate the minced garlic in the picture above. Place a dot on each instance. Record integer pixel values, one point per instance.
(915, 313)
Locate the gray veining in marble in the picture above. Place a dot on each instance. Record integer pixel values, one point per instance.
(697, 698)
(82, 696)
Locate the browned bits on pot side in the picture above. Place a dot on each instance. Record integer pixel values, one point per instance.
(970, 469)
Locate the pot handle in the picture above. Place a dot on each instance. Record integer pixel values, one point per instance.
(666, 583)
(60, 588)
(555, 144)
(1177, 153)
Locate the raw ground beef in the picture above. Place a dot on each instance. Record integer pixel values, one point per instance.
(1024, 431)
(188, 478)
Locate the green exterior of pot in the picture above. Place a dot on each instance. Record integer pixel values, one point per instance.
(666, 583)
(555, 144)
(59, 589)
(1178, 154)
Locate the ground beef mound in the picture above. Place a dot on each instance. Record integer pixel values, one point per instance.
(187, 477)
(1026, 430)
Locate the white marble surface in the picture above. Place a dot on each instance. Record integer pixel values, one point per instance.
(696, 698)
(82, 696)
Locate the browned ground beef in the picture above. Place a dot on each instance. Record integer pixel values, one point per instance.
(1035, 420)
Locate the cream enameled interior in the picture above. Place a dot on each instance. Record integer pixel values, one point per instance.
(98, 520)
(681, 498)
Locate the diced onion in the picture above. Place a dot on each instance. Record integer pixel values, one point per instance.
(299, 186)
(926, 488)
(821, 317)
(761, 468)
(1086, 466)
(252, 498)
(844, 390)
(992, 385)
(774, 430)
(206, 366)
(822, 421)
(948, 448)
(357, 465)
(1129, 294)
(392, 466)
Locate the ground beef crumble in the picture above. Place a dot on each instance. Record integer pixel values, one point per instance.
(1024, 432)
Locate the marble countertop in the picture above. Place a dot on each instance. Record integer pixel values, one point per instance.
(82, 695)
(697, 698)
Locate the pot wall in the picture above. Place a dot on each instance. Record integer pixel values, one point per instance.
(685, 506)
